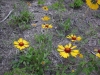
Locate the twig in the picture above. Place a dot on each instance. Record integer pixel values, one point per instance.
(92, 53)
(7, 16)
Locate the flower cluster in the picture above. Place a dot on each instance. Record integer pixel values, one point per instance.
(45, 19)
(21, 44)
(69, 49)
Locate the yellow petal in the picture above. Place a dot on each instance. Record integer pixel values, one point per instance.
(20, 40)
(50, 26)
(60, 50)
(69, 37)
(69, 45)
(17, 46)
(98, 1)
(16, 43)
(91, 5)
(26, 45)
(66, 46)
(73, 47)
(42, 19)
(74, 54)
(25, 42)
(22, 47)
(73, 40)
(64, 55)
(72, 35)
(43, 26)
(98, 55)
(78, 38)
(61, 47)
(80, 55)
(75, 51)
(95, 6)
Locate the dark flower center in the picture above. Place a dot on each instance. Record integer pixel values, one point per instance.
(98, 51)
(21, 44)
(73, 38)
(46, 26)
(67, 50)
(45, 8)
(94, 1)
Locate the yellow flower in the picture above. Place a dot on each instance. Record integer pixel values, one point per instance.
(80, 55)
(66, 50)
(73, 70)
(45, 8)
(34, 25)
(96, 49)
(47, 26)
(74, 37)
(98, 53)
(28, 3)
(45, 18)
(93, 4)
(21, 44)
(43, 62)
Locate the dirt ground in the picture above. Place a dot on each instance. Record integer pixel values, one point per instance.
(78, 22)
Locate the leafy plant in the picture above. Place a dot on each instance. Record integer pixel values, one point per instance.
(64, 26)
(17, 71)
(58, 5)
(41, 2)
(76, 4)
(87, 67)
(21, 20)
(97, 15)
(35, 60)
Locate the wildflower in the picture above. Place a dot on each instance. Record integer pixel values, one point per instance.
(96, 49)
(21, 44)
(43, 62)
(80, 55)
(98, 52)
(74, 37)
(28, 3)
(73, 70)
(34, 25)
(93, 4)
(45, 18)
(45, 8)
(47, 26)
(67, 49)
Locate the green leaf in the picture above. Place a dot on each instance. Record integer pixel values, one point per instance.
(67, 24)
